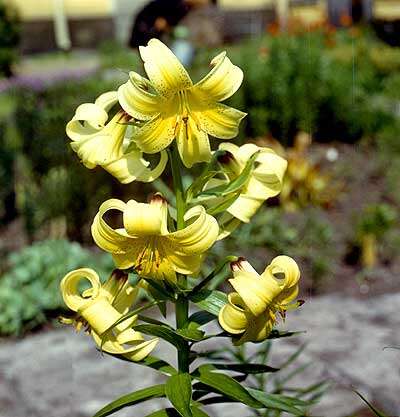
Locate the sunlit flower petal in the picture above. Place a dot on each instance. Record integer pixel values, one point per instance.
(98, 142)
(222, 81)
(250, 311)
(145, 242)
(156, 134)
(172, 107)
(136, 98)
(221, 121)
(101, 306)
(265, 181)
(193, 144)
(163, 68)
(132, 167)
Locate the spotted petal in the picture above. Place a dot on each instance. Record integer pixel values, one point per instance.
(222, 81)
(163, 68)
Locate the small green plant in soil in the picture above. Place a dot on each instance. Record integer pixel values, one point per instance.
(29, 288)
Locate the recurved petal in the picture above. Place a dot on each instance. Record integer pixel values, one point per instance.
(221, 121)
(193, 143)
(183, 264)
(107, 100)
(245, 206)
(136, 352)
(88, 119)
(249, 287)
(163, 68)
(285, 272)
(258, 329)
(198, 236)
(233, 316)
(132, 167)
(222, 81)
(270, 172)
(107, 238)
(156, 134)
(69, 287)
(136, 99)
(101, 147)
(142, 219)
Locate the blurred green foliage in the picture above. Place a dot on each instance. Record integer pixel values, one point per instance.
(376, 219)
(29, 288)
(44, 177)
(9, 37)
(305, 235)
(319, 82)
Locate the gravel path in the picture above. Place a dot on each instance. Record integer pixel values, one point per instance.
(60, 374)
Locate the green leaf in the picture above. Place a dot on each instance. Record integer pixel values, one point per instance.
(158, 290)
(373, 409)
(156, 391)
(168, 412)
(199, 183)
(219, 208)
(199, 318)
(164, 332)
(236, 184)
(193, 335)
(278, 402)
(171, 412)
(244, 368)
(197, 412)
(151, 320)
(178, 390)
(276, 334)
(150, 361)
(219, 268)
(158, 364)
(132, 313)
(228, 386)
(209, 300)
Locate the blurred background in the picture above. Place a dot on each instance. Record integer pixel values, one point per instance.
(322, 87)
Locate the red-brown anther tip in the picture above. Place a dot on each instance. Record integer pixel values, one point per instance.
(238, 264)
(157, 198)
(118, 274)
(225, 158)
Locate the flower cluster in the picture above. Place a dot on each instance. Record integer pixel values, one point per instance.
(251, 310)
(167, 114)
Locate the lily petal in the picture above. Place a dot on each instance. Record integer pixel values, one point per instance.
(222, 81)
(193, 143)
(156, 134)
(221, 121)
(136, 99)
(107, 238)
(163, 68)
(233, 317)
(199, 236)
(132, 167)
(143, 219)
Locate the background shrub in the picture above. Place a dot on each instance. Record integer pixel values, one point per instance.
(29, 288)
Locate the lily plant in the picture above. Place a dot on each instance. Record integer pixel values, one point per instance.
(160, 246)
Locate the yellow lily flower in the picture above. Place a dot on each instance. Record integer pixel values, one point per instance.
(172, 107)
(251, 309)
(236, 318)
(101, 306)
(98, 142)
(145, 242)
(265, 181)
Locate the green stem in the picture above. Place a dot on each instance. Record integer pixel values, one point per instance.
(182, 303)
(182, 314)
(176, 168)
